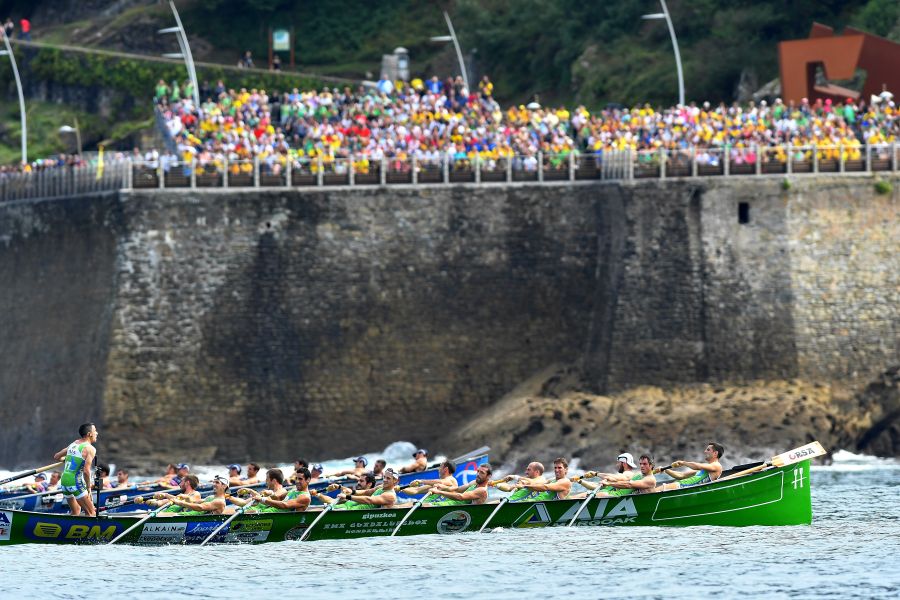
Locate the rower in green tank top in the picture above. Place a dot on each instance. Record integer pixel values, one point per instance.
(383, 497)
(475, 493)
(75, 482)
(298, 500)
(211, 505)
(188, 485)
(626, 467)
(640, 483)
(365, 484)
(445, 479)
(533, 472)
(556, 490)
(700, 472)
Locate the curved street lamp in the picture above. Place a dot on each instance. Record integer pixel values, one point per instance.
(459, 56)
(185, 53)
(665, 15)
(12, 60)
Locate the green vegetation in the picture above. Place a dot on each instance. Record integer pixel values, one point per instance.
(786, 184)
(883, 187)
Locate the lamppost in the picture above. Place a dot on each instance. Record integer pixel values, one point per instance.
(12, 60)
(76, 131)
(459, 56)
(185, 53)
(665, 15)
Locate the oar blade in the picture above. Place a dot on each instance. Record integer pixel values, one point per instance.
(811, 450)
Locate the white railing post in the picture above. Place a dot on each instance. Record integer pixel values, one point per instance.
(162, 174)
(790, 159)
(351, 170)
(662, 163)
(383, 175)
(290, 171)
(540, 165)
(868, 158)
(415, 168)
(193, 172)
(225, 171)
(841, 156)
(446, 167)
(509, 163)
(571, 165)
(256, 171)
(693, 161)
(893, 156)
(726, 161)
(320, 170)
(815, 154)
(477, 168)
(759, 160)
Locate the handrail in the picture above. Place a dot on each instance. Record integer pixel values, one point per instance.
(168, 172)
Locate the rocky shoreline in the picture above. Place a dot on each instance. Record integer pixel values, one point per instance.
(548, 416)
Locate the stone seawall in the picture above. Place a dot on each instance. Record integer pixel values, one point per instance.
(227, 325)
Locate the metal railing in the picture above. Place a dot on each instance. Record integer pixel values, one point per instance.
(281, 171)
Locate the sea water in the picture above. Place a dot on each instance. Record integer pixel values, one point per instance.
(852, 550)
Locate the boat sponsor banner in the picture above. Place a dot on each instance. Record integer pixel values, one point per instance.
(12, 504)
(6, 519)
(45, 529)
(454, 522)
(162, 533)
(249, 531)
(197, 532)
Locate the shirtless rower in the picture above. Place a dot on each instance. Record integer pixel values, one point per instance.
(298, 500)
(383, 497)
(360, 463)
(699, 472)
(76, 478)
(213, 505)
(533, 472)
(234, 474)
(188, 485)
(474, 493)
(419, 464)
(640, 483)
(556, 490)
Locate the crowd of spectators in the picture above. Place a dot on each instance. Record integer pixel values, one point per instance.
(432, 118)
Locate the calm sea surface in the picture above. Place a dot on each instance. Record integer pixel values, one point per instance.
(852, 550)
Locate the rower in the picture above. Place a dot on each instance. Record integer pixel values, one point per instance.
(419, 464)
(446, 479)
(234, 474)
(39, 485)
(533, 472)
(316, 472)
(189, 492)
(360, 463)
(297, 500)
(365, 485)
(383, 497)
(274, 489)
(475, 493)
(182, 470)
(640, 483)
(54, 481)
(298, 464)
(213, 505)
(699, 472)
(625, 466)
(555, 490)
(76, 477)
(169, 478)
(378, 469)
(105, 484)
(122, 480)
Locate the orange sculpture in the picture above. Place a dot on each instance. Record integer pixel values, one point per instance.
(839, 56)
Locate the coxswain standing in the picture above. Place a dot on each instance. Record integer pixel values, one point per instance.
(76, 477)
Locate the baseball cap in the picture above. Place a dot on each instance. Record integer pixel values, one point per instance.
(221, 479)
(180, 466)
(392, 473)
(362, 459)
(420, 451)
(628, 458)
(40, 476)
(234, 466)
(317, 467)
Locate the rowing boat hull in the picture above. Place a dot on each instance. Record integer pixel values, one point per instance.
(779, 496)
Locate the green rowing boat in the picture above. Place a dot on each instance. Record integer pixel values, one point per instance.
(774, 496)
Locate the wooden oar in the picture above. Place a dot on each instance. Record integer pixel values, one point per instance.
(499, 504)
(150, 515)
(31, 472)
(316, 520)
(811, 450)
(236, 514)
(409, 513)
